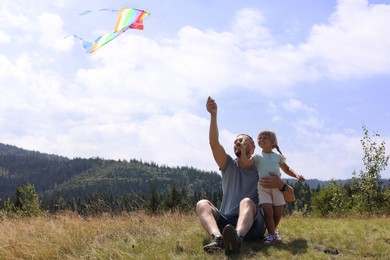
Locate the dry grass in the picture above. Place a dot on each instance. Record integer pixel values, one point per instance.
(176, 236)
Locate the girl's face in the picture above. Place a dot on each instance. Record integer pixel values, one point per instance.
(265, 142)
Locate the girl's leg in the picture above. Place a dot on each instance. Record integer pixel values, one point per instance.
(277, 214)
(269, 217)
(278, 211)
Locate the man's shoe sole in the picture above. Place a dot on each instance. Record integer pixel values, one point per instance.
(231, 240)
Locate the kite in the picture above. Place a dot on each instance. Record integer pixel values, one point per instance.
(128, 18)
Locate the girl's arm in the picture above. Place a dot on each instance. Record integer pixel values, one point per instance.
(246, 162)
(290, 172)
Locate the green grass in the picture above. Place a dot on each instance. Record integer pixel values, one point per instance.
(177, 236)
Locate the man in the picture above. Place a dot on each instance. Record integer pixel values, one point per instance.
(239, 217)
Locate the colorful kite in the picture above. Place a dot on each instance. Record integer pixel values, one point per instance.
(128, 18)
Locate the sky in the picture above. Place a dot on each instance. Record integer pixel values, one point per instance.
(314, 72)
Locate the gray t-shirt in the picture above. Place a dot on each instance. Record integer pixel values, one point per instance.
(237, 184)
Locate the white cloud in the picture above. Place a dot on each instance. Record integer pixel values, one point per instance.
(51, 32)
(354, 44)
(4, 38)
(294, 105)
(249, 32)
(304, 118)
(325, 156)
(142, 97)
(14, 21)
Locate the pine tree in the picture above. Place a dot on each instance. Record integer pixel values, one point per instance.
(154, 202)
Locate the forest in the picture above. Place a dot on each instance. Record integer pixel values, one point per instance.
(44, 182)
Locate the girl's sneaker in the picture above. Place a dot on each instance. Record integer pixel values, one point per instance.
(269, 239)
(277, 236)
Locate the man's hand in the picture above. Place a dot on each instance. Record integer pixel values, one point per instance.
(274, 181)
(211, 106)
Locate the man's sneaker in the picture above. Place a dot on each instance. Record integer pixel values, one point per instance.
(215, 246)
(277, 236)
(269, 239)
(231, 239)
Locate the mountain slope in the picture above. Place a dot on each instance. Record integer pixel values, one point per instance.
(55, 175)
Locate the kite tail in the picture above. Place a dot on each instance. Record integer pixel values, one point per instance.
(103, 9)
(128, 18)
(86, 44)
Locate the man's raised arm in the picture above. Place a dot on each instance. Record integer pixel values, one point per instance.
(217, 149)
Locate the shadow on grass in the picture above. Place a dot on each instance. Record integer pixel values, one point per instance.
(250, 249)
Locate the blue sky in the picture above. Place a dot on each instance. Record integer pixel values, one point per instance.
(314, 72)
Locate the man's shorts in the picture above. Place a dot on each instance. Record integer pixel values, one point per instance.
(257, 230)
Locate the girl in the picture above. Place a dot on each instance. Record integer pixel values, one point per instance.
(270, 200)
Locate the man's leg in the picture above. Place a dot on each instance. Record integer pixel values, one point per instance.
(245, 217)
(207, 214)
(258, 229)
(233, 237)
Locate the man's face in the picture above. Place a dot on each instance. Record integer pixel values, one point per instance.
(237, 145)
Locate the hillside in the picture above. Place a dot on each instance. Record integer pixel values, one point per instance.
(6, 149)
(53, 175)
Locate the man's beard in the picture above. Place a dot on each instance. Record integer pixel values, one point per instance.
(238, 153)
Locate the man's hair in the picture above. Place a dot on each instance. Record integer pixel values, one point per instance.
(250, 138)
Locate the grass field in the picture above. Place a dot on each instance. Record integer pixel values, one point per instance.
(178, 236)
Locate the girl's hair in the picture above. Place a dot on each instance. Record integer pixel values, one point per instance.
(273, 138)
